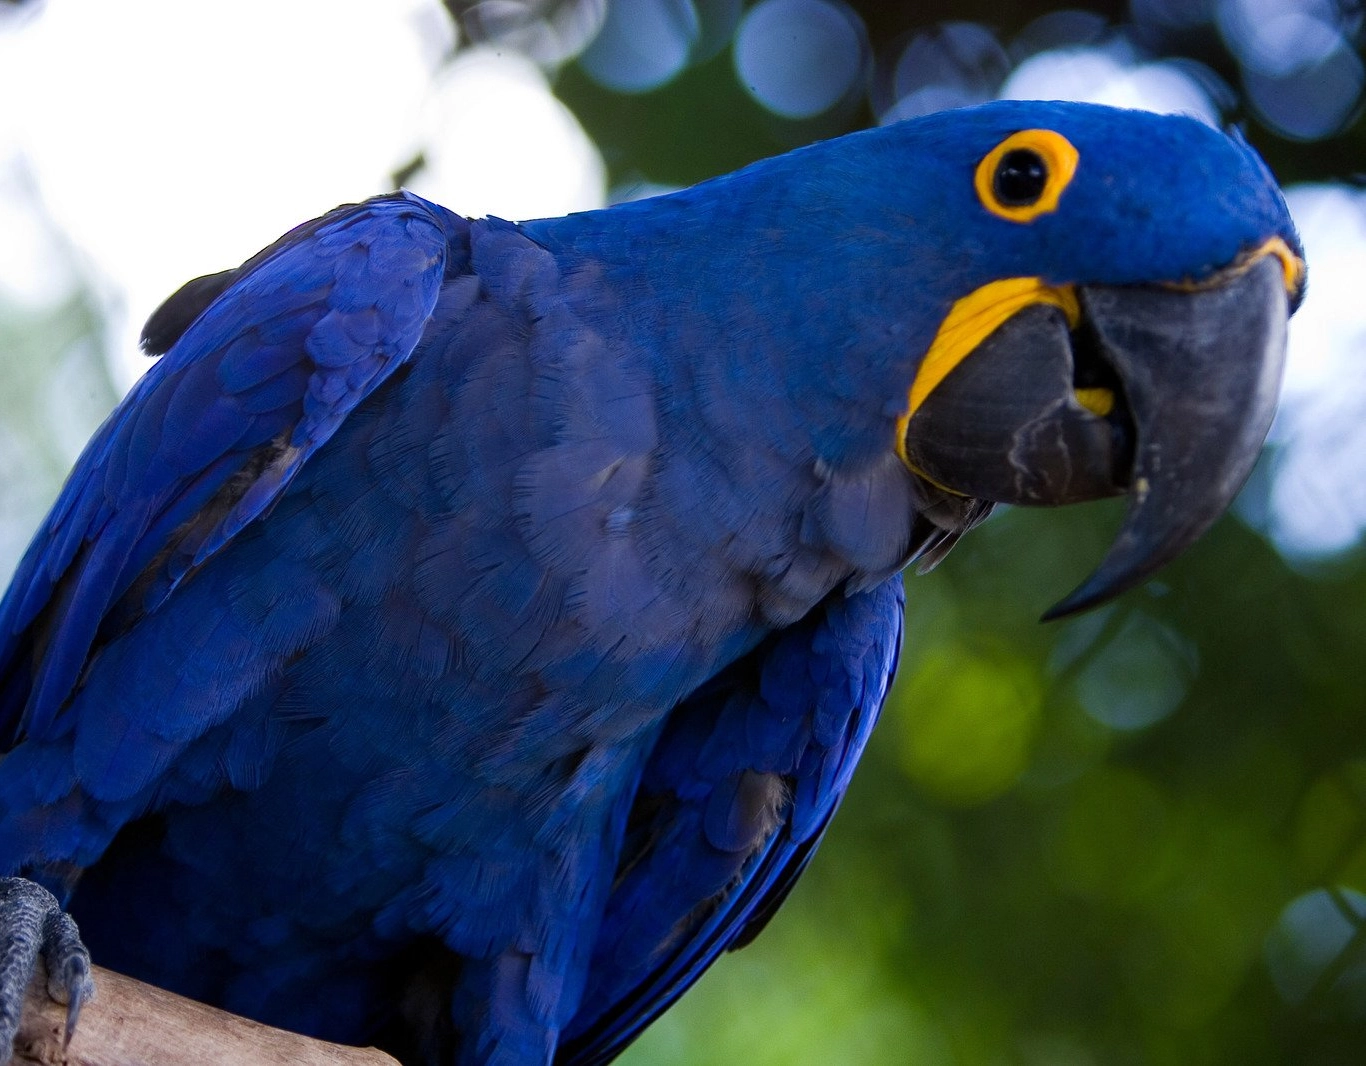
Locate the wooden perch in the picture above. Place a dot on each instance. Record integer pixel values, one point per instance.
(129, 1023)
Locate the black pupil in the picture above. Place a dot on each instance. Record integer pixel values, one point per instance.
(1020, 178)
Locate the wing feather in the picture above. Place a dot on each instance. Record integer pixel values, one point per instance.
(263, 364)
(734, 803)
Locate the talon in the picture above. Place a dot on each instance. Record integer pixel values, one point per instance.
(68, 968)
(32, 923)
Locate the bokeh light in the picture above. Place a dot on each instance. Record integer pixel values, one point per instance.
(1138, 675)
(800, 57)
(1300, 72)
(1313, 100)
(642, 45)
(970, 722)
(545, 31)
(1279, 37)
(1317, 503)
(1318, 948)
(955, 64)
(1110, 76)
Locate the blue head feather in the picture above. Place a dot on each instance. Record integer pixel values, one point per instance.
(1155, 198)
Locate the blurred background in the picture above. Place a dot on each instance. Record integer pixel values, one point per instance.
(1136, 837)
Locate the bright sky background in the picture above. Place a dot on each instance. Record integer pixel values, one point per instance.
(167, 139)
(170, 139)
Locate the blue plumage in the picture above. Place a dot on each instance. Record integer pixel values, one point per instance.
(466, 631)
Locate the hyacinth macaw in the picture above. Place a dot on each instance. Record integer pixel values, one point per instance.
(466, 630)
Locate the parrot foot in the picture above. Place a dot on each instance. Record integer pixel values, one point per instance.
(32, 922)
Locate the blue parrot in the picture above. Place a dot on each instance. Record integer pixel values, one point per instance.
(467, 630)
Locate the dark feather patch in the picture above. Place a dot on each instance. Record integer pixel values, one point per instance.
(179, 310)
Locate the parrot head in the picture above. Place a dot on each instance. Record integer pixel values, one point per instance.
(1022, 302)
(1131, 337)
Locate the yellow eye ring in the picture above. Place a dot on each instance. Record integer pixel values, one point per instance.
(1025, 175)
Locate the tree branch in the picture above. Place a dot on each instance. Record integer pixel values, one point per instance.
(129, 1023)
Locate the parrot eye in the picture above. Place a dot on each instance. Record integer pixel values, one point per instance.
(1025, 175)
(1020, 178)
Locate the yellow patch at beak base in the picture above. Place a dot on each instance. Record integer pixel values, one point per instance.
(972, 320)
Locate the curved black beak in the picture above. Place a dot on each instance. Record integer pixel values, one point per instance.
(1162, 393)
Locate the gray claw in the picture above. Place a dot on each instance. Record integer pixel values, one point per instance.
(32, 923)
